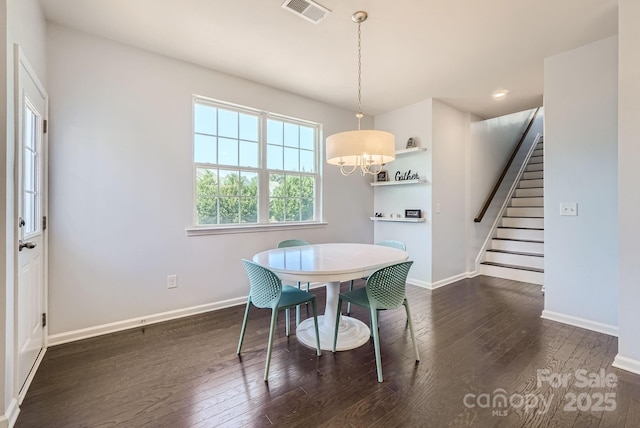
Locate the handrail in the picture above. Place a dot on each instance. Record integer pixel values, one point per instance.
(485, 207)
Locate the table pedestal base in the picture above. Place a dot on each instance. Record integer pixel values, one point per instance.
(351, 333)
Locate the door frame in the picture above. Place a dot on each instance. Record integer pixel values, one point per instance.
(20, 60)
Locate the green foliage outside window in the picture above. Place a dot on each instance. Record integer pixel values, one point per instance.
(235, 200)
(291, 198)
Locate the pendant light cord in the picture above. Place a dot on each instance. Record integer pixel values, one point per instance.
(359, 115)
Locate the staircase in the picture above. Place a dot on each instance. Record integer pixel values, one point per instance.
(517, 249)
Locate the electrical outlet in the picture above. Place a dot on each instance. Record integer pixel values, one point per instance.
(172, 281)
(437, 208)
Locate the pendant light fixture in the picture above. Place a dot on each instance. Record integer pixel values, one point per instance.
(364, 148)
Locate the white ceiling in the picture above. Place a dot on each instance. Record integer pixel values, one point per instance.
(459, 51)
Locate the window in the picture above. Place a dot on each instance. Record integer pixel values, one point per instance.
(253, 167)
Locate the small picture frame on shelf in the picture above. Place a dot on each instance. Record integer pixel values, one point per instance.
(412, 213)
(382, 176)
(411, 143)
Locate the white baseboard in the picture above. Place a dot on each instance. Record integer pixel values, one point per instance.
(418, 283)
(628, 364)
(8, 420)
(449, 280)
(85, 333)
(611, 330)
(437, 284)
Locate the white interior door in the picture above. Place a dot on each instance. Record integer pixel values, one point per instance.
(31, 200)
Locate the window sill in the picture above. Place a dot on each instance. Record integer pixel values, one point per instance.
(250, 228)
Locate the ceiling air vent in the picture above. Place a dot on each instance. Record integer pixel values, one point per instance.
(307, 9)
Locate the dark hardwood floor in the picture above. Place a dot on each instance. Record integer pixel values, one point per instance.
(480, 339)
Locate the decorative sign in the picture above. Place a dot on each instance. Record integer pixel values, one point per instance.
(413, 213)
(408, 175)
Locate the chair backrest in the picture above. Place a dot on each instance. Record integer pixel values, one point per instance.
(395, 244)
(266, 287)
(292, 243)
(386, 287)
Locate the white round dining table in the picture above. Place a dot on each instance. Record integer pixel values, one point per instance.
(331, 264)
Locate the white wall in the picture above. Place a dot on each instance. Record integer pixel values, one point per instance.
(581, 253)
(29, 31)
(413, 121)
(437, 246)
(491, 145)
(628, 179)
(121, 184)
(451, 133)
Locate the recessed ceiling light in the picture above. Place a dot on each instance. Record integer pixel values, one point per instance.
(500, 94)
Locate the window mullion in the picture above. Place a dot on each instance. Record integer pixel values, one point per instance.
(263, 187)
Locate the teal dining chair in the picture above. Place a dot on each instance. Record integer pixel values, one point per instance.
(294, 243)
(387, 243)
(267, 291)
(385, 289)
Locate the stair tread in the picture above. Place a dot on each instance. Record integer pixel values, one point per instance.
(520, 240)
(521, 228)
(517, 253)
(531, 269)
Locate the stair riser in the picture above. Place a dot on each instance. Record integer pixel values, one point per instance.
(527, 202)
(525, 212)
(532, 175)
(530, 192)
(537, 152)
(515, 259)
(513, 274)
(536, 159)
(532, 223)
(528, 234)
(525, 184)
(518, 246)
(534, 167)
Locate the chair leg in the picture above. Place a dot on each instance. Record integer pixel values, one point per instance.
(244, 325)
(286, 328)
(376, 341)
(272, 329)
(315, 324)
(349, 303)
(298, 310)
(335, 333)
(413, 337)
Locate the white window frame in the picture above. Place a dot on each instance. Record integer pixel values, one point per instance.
(263, 223)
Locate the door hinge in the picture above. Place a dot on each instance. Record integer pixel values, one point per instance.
(45, 126)
(44, 319)
(44, 222)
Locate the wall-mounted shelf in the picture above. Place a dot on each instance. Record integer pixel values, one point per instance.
(411, 150)
(396, 183)
(398, 219)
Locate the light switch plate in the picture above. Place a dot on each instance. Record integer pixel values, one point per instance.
(568, 208)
